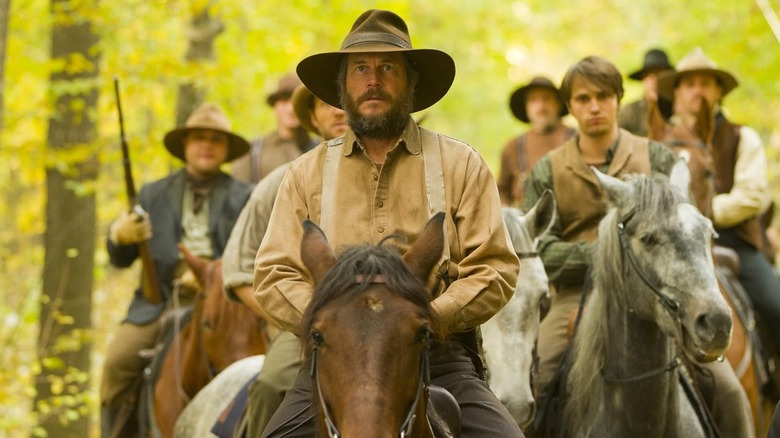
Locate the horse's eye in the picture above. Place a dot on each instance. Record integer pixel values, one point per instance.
(206, 324)
(648, 240)
(544, 305)
(424, 335)
(317, 339)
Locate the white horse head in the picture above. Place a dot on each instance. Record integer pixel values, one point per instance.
(509, 338)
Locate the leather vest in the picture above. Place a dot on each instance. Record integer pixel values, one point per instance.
(582, 202)
(725, 142)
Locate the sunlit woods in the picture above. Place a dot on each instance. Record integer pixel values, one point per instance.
(496, 46)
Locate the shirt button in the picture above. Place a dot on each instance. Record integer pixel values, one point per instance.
(381, 229)
(376, 177)
(379, 204)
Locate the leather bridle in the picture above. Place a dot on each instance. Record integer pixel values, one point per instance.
(423, 382)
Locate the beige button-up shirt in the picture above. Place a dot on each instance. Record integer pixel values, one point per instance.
(371, 203)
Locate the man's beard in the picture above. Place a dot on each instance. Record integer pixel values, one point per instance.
(385, 126)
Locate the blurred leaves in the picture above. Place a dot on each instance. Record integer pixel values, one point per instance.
(496, 47)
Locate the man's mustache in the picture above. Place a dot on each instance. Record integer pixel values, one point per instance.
(374, 94)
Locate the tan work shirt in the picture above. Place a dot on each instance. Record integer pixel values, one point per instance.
(371, 203)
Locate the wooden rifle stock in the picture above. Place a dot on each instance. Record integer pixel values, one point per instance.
(150, 286)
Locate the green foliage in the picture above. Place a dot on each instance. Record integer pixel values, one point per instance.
(496, 47)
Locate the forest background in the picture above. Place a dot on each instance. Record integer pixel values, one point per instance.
(61, 177)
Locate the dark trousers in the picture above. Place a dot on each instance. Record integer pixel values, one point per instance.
(760, 282)
(482, 415)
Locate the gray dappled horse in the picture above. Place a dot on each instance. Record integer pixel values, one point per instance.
(654, 294)
(509, 338)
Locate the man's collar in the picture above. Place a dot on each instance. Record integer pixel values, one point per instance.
(410, 138)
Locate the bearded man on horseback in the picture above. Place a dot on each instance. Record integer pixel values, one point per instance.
(386, 174)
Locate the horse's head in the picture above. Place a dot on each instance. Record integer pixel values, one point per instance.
(509, 338)
(367, 331)
(227, 331)
(661, 246)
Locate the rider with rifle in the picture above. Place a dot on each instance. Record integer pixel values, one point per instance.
(195, 206)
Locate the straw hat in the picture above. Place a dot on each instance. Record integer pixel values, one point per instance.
(206, 116)
(380, 31)
(694, 62)
(518, 99)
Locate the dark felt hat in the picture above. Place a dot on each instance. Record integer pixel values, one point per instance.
(517, 100)
(655, 60)
(206, 116)
(380, 31)
(303, 104)
(284, 90)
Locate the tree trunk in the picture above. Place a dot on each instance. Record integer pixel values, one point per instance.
(203, 31)
(64, 339)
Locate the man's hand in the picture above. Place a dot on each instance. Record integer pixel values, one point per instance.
(131, 228)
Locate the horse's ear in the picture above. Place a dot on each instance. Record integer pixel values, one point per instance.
(196, 264)
(619, 191)
(542, 215)
(422, 257)
(680, 177)
(316, 253)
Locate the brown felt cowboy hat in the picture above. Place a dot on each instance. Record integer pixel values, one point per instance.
(694, 62)
(284, 90)
(206, 116)
(380, 31)
(517, 100)
(303, 105)
(655, 60)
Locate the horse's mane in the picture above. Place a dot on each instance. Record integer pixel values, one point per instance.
(515, 227)
(654, 200)
(366, 262)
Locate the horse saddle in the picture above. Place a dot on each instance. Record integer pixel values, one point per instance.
(727, 258)
(443, 413)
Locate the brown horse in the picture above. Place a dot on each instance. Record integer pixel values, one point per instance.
(368, 329)
(694, 144)
(219, 333)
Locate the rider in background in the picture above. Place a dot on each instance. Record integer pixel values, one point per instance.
(741, 180)
(633, 117)
(379, 187)
(539, 104)
(283, 358)
(592, 89)
(195, 206)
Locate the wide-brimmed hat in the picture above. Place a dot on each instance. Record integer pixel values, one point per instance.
(380, 31)
(655, 60)
(206, 116)
(287, 84)
(518, 99)
(303, 104)
(694, 62)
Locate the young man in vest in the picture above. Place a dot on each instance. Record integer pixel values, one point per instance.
(740, 177)
(592, 89)
(283, 358)
(379, 186)
(539, 104)
(287, 142)
(196, 206)
(633, 117)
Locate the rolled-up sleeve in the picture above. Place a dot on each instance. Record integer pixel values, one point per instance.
(238, 259)
(750, 193)
(283, 286)
(488, 267)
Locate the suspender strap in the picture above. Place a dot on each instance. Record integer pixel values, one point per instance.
(329, 177)
(434, 185)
